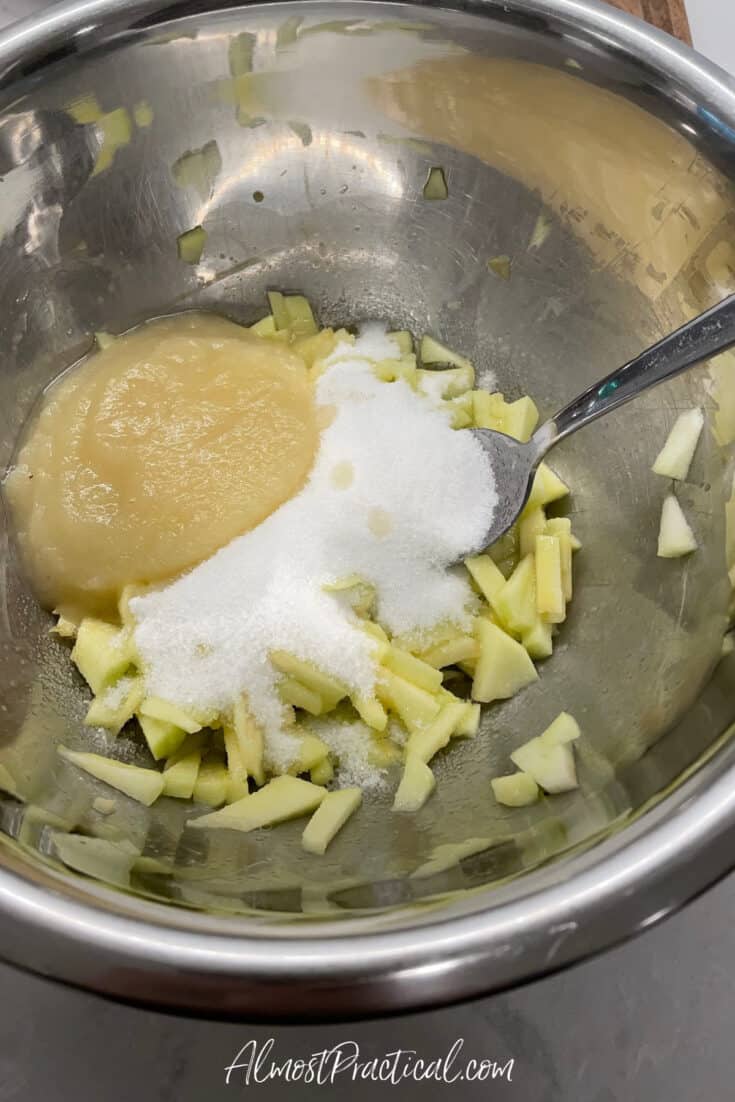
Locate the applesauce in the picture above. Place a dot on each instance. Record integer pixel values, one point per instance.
(155, 452)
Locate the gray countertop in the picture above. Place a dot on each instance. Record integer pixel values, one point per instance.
(650, 1020)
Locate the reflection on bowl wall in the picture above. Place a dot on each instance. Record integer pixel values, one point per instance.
(299, 137)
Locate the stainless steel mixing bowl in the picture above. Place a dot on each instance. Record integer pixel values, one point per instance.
(593, 152)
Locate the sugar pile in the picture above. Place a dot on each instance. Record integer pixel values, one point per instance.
(396, 495)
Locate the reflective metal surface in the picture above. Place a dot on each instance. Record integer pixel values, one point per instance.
(514, 464)
(596, 155)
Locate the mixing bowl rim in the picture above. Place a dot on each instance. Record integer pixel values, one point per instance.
(637, 879)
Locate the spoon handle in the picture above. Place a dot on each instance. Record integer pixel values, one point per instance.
(698, 339)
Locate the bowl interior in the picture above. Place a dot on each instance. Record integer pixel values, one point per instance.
(300, 137)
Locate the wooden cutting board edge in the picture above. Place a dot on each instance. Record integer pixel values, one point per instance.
(667, 15)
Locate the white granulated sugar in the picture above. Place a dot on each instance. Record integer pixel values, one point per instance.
(114, 696)
(350, 745)
(418, 495)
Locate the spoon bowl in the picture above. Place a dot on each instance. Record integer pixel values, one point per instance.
(514, 463)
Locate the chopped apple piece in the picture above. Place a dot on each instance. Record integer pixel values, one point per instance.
(266, 327)
(404, 340)
(547, 487)
(675, 537)
(532, 523)
(277, 303)
(282, 798)
(413, 669)
(329, 818)
(64, 628)
(520, 419)
(163, 738)
(674, 459)
(459, 418)
(452, 382)
(488, 410)
(311, 751)
(390, 371)
(212, 783)
(417, 784)
(564, 729)
(561, 527)
(470, 723)
(143, 785)
(300, 317)
(329, 688)
(98, 858)
(488, 578)
(432, 352)
(355, 591)
(424, 744)
(293, 692)
(237, 773)
(190, 244)
(316, 347)
(539, 640)
(414, 706)
(181, 770)
(503, 666)
(383, 752)
(116, 705)
(550, 763)
(515, 790)
(250, 736)
(163, 710)
(322, 773)
(370, 711)
(452, 652)
(549, 591)
(102, 653)
(515, 604)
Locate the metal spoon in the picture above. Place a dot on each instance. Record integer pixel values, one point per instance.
(514, 464)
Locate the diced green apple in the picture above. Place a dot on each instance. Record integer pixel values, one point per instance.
(539, 640)
(488, 577)
(675, 458)
(413, 669)
(143, 785)
(551, 764)
(329, 818)
(515, 790)
(282, 798)
(163, 738)
(424, 744)
(675, 537)
(180, 773)
(417, 784)
(432, 352)
(102, 653)
(503, 666)
(166, 712)
(515, 603)
(116, 705)
(212, 784)
(415, 707)
(564, 729)
(520, 419)
(550, 601)
(547, 487)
